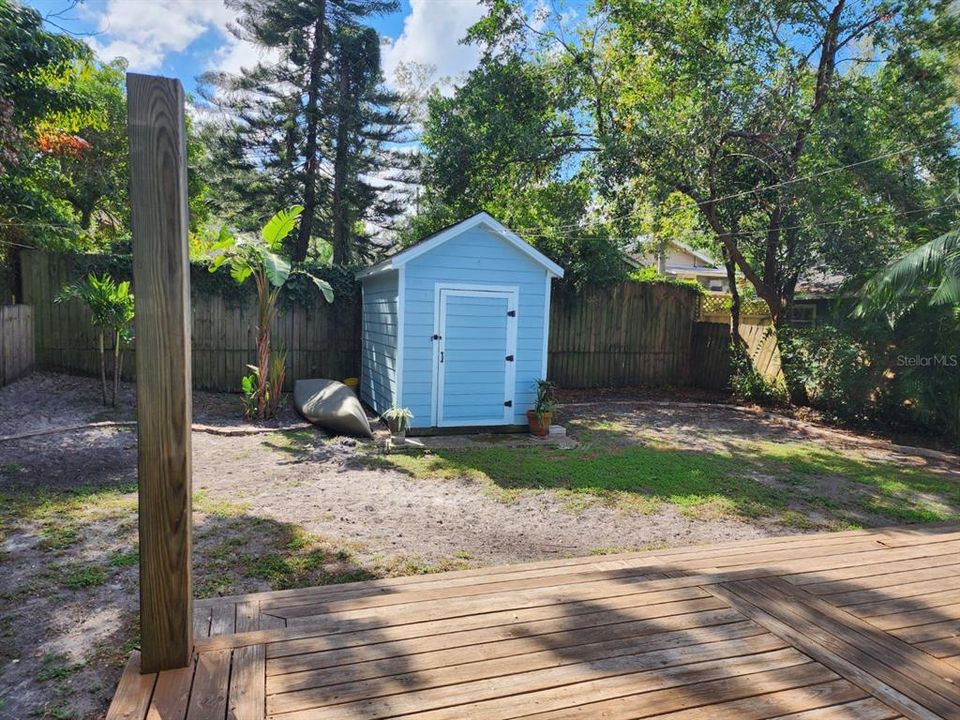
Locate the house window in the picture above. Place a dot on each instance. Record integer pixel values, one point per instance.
(803, 314)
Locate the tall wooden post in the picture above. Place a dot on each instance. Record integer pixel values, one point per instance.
(161, 275)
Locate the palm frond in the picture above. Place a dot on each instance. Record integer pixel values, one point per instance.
(931, 271)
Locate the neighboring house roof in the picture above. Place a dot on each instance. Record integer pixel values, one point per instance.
(700, 262)
(430, 242)
(697, 270)
(698, 254)
(819, 283)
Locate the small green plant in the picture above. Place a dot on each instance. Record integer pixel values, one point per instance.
(124, 559)
(111, 305)
(259, 258)
(77, 576)
(250, 385)
(397, 419)
(57, 666)
(546, 399)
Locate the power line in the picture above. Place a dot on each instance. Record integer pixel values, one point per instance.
(808, 226)
(695, 204)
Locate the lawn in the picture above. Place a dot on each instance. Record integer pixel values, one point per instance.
(290, 509)
(797, 484)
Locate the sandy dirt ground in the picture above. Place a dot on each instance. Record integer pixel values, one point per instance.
(66, 630)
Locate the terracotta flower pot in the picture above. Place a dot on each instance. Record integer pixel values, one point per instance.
(539, 425)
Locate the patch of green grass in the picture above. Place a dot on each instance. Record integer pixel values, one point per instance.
(292, 442)
(404, 565)
(10, 468)
(58, 536)
(203, 503)
(892, 491)
(77, 576)
(745, 479)
(281, 554)
(54, 711)
(124, 559)
(636, 478)
(610, 550)
(56, 666)
(798, 520)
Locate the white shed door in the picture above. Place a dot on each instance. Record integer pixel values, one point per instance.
(474, 372)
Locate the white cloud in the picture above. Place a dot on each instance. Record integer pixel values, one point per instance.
(431, 35)
(146, 31)
(235, 55)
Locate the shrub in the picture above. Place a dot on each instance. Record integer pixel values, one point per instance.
(650, 274)
(842, 373)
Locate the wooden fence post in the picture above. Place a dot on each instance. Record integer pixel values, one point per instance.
(161, 273)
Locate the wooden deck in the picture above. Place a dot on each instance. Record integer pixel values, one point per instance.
(857, 625)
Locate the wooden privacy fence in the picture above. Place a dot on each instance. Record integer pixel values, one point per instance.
(619, 335)
(321, 340)
(710, 361)
(710, 355)
(16, 342)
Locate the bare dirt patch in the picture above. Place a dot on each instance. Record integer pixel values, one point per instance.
(296, 508)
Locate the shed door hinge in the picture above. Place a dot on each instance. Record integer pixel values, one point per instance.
(508, 403)
(509, 358)
(511, 313)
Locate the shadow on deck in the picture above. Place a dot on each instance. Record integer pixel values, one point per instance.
(849, 625)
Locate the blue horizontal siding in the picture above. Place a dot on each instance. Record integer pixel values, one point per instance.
(380, 340)
(476, 257)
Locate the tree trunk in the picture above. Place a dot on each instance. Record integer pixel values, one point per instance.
(731, 269)
(796, 388)
(341, 231)
(311, 163)
(116, 367)
(103, 364)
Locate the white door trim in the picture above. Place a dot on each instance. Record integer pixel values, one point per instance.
(512, 295)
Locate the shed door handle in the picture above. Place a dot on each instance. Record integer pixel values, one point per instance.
(441, 356)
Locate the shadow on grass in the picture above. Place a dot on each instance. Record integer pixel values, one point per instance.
(799, 482)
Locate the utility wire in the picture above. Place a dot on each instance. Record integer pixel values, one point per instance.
(808, 226)
(695, 204)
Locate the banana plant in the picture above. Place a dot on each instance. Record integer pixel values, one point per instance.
(260, 257)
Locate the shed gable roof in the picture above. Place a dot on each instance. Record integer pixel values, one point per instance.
(439, 238)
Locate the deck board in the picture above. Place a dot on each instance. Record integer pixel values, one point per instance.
(860, 624)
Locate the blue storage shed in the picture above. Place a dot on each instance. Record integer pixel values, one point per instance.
(455, 327)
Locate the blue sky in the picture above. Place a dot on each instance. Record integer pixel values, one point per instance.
(184, 38)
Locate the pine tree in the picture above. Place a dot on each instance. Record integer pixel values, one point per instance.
(279, 107)
(371, 176)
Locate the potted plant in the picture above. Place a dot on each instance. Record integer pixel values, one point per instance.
(540, 417)
(398, 420)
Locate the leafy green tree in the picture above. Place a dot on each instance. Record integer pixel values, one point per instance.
(64, 156)
(30, 59)
(736, 104)
(506, 143)
(111, 306)
(259, 257)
